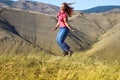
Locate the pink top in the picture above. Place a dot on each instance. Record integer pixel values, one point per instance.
(61, 16)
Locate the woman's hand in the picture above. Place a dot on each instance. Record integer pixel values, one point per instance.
(53, 29)
(57, 25)
(72, 30)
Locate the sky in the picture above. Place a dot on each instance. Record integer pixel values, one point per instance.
(82, 4)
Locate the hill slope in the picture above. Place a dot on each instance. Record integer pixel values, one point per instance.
(7, 2)
(90, 26)
(12, 43)
(36, 6)
(100, 9)
(35, 28)
(30, 5)
(2, 5)
(108, 45)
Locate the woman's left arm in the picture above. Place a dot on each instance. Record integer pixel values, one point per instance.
(67, 24)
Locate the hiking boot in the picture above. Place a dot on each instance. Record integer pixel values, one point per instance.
(70, 52)
(65, 53)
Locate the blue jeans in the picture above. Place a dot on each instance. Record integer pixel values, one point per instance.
(61, 36)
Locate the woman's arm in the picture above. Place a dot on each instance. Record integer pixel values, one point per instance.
(57, 25)
(67, 24)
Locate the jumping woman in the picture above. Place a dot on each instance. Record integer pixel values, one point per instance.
(64, 28)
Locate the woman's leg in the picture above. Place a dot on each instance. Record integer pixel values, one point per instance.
(61, 36)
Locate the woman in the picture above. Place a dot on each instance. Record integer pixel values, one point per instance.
(64, 27)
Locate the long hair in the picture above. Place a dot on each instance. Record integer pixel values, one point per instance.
(68, 9)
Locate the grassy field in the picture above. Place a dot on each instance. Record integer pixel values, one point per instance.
(41, 66)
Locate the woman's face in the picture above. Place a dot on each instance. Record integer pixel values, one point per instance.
(62, 7)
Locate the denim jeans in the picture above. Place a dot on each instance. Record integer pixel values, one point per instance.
(61, 36)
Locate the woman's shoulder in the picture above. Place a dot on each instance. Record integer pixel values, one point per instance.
(66, 13)
(63, 13)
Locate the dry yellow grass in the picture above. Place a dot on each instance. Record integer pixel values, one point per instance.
(42, 66)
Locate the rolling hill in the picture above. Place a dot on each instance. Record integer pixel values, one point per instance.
(28, 50)
(108, 45)
(7, 2)
(36, 6)
(22, 27)
(30, 5)
(2, 5)
(36, 33)
(100, 9)
(50, 9)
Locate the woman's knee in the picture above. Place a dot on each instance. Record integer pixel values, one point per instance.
(58, 41)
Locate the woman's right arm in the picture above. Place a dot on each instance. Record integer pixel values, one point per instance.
(57, 25)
